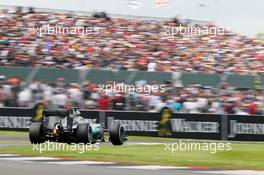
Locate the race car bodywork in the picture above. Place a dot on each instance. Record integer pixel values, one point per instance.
(67, 126)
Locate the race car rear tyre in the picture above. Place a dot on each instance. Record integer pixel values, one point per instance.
(36, 133)
(117, 134)
(84, 133)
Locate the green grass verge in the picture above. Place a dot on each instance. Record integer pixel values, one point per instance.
(242, 156)
(147, 138)
(18, 133)
(13, 141)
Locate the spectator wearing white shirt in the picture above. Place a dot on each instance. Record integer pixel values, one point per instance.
(152, 66)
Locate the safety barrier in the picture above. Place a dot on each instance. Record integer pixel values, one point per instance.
(130, 77)
(163, 124)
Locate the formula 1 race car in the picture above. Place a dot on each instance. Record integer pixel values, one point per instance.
(67, 126)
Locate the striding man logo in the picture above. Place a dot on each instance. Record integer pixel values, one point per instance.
(164, 124)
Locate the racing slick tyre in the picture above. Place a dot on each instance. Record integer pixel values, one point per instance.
(117, 134)
(36, 133)
(84, 133)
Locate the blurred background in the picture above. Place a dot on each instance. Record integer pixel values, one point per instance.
(220, 74)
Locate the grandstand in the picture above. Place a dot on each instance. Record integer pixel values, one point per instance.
(126, 43)
(122, 48)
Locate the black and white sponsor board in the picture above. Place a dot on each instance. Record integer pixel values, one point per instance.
(200, 126)
(135, 123)
(163, 124)
(167, 124)
(243, 127)
(15, 118)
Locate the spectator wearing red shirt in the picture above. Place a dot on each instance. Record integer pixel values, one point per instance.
(252, 108)
(103, 102)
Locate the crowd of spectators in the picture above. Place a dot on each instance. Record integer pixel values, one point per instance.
(126, 44)
(190, 99)
(122, 44)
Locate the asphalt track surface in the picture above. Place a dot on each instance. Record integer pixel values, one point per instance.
(32, 168)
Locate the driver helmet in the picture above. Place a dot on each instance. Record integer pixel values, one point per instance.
(78, 113)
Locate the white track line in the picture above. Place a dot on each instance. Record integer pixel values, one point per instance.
(142, 143)
(80, 163)
(57, 160)
(150, 167)
(8, 155)
(28, 158)
(235, 172)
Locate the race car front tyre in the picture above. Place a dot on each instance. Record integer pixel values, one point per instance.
(84, 133)
(117, 134)
(36, 133)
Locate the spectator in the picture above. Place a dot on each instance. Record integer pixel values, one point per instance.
(123, 44)
(103, 102)
(152, 66)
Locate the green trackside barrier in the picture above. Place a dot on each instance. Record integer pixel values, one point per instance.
(200, 78)
(51, 75)
(8, 72)
(130, 77)
(245, 81)
(77, 76)
(40, 74)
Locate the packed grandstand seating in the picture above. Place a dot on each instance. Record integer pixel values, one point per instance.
(126, 44)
